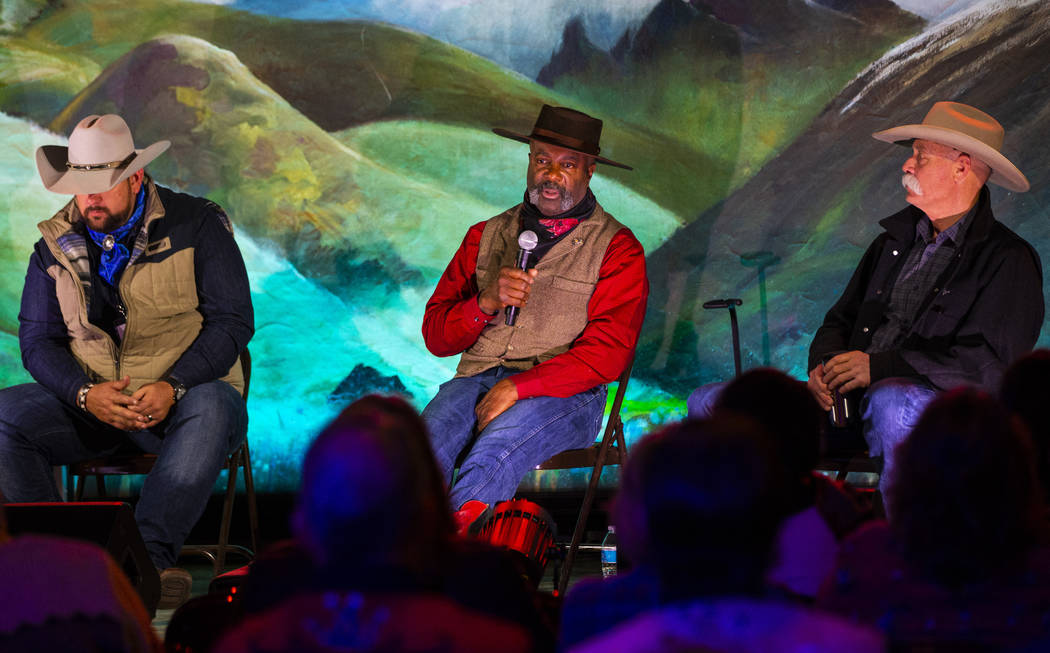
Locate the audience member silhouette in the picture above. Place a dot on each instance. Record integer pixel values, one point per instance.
(819, 511)
(67, 595)
(1025, 390)
(960, 566)
(385, 572)
(698, 510)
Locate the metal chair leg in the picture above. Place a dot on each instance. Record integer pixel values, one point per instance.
(249, 490)
(227, 513)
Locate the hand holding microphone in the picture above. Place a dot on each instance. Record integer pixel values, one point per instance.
(510, 289)
(526, 242)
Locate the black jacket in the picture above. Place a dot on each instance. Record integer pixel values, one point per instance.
(985, 310)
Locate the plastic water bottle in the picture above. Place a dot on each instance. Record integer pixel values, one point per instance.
(609, 553)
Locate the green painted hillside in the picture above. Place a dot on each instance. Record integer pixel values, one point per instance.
(338, 75)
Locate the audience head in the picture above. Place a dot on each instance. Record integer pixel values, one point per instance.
(372, 494)
(1026, 391)
(699, 502)
(786, 409)
(963, 497)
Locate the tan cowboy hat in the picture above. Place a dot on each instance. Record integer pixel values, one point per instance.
(966, 129)
(101, 154)
(568, 128)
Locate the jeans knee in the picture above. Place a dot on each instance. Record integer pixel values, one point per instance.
(892, 408)
(898, 400)
(25, 411)
(215, 403)
(701, 402)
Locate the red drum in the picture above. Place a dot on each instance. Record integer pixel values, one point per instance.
(526, 528)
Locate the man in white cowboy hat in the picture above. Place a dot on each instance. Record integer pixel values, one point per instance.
(528, 390)
(946, 296)
(135, 309)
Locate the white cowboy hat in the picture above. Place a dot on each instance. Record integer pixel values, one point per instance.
(101, 154)
(966, 129)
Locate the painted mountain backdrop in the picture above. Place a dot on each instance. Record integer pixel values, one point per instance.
(350, 142)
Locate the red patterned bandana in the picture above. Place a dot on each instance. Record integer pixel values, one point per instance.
(558, 226)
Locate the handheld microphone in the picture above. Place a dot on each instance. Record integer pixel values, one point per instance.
(527, 242)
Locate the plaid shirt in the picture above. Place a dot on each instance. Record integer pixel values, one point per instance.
(928, 258)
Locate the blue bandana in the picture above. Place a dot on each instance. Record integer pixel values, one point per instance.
(115, 253)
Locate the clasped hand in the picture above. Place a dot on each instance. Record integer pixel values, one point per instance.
(146, 407)
(843, 372)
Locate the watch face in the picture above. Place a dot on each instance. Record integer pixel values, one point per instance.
(180, 390)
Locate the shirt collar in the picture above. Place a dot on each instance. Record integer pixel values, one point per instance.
(953, 234)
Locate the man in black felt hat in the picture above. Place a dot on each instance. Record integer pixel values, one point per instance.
(526, 391)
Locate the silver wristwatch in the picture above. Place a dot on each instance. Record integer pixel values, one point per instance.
(178, 390)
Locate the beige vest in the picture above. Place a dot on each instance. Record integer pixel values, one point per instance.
(557, 311)
(161, 303)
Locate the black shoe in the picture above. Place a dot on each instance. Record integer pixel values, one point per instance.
(175, 585)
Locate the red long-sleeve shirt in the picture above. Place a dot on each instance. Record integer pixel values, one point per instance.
(453, 320)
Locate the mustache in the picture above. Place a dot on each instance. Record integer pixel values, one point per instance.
(550, 185)
(566, 201)
(911, 182)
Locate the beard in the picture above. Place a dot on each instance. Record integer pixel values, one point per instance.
(565, 202)
(911, 182)
(105, 221)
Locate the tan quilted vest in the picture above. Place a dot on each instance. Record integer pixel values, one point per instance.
(161, 300)
(557, 309)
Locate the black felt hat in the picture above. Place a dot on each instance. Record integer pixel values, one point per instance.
(568, 128)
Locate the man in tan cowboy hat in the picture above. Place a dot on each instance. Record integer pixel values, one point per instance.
(134, 312)
(946, 296)
(527, 390)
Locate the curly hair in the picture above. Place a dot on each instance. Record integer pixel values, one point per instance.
(964, 498)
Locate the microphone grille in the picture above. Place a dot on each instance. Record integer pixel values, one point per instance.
(527, 240)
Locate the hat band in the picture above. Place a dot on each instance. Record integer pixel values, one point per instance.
(572, 143)
(101, 166)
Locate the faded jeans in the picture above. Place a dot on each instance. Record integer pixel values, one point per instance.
(890, 409)
(525, 435)
(38, 431)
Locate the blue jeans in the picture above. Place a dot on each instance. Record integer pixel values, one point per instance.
(525, 435)
(38, 430)
(890, 409)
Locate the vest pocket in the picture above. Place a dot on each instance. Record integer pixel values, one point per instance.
(571, 285)
(559, 315)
